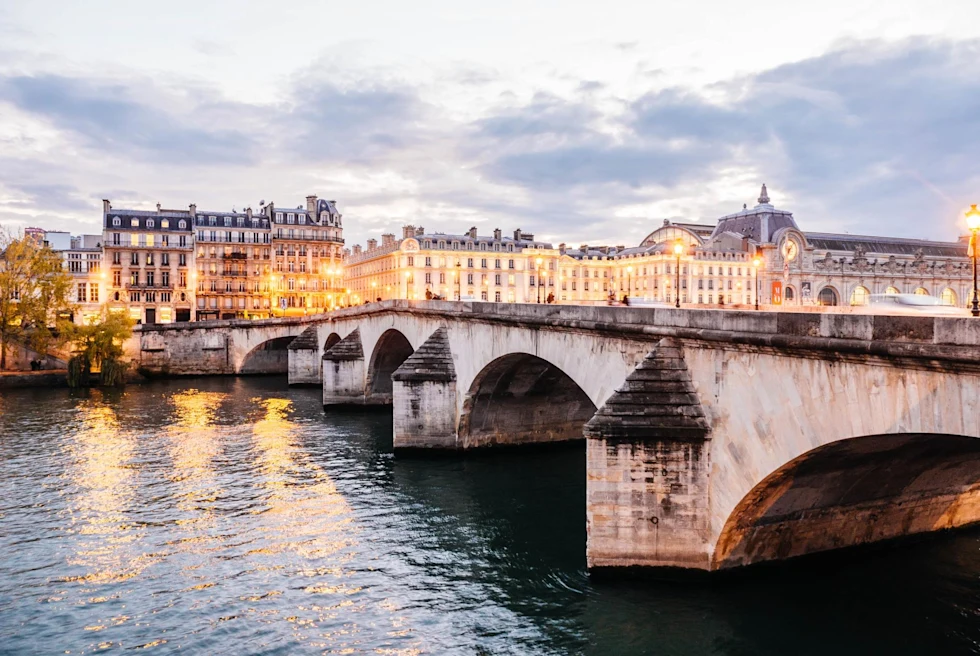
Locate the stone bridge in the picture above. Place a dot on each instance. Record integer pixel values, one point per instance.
(714, 438)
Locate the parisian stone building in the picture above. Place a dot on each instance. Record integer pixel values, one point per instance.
(419, 265)
(757, 254)
(149, 261)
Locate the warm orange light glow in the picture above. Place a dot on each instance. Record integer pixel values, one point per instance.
(757, 261)
(678, 248)
(973, 218)
(629, 270)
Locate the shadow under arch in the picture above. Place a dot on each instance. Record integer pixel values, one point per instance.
(520, 398)
(852, 492)
(332, 339)
(392, 349)
(269, 357)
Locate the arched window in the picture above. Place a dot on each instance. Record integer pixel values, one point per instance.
(182, 224)
(949, 297)
(789, 296)
(827, 296)
(922, 291)
(116, 296)
(891, 290)
(150, 223)
(115, 221)
(859, 296)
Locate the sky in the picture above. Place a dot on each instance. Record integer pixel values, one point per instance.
(580, 122)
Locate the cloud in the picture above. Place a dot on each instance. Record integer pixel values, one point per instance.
(111, 116)
(870, 137)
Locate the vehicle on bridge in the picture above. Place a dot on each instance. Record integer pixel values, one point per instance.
(916, 304)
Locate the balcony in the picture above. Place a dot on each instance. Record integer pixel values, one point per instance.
(154, 286)
(235, 256)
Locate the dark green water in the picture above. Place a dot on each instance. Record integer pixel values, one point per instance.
(233, 516)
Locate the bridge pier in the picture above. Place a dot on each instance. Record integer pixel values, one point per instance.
(424, 397)
(343, 372)
(647, 469)
(304, 365)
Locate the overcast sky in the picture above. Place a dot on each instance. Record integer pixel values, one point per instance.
(578, 121)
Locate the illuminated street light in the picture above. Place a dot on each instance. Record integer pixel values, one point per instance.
(678, 250)
(973, 223)
(757, 261)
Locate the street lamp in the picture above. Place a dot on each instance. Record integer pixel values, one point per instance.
(678, 250)
(459, 280)
(629, 281)
(538, 261)
(973, 223)
(757, 261)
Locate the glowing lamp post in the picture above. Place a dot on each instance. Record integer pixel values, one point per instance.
(538, 261)
(459, 280)
(973, 223)
(629, 281)
(756, 262)
(678, 250)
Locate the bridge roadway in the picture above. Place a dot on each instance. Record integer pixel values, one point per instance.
(715, 438)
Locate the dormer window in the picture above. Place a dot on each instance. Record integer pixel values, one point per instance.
(290, 218)
(442, 244)
(116, 221)
(134, 223)
(302, 219)
(182, 224)
(212, 220)
(149, 223)
(227, 221)
(164, 223)
(278, 217)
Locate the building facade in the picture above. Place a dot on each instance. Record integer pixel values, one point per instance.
(756, 255)
(149, 261)
(419, 265)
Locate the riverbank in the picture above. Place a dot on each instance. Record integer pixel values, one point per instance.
(44, 378)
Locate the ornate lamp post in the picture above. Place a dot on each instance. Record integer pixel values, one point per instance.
(973, 223)
(538, 261)
(459, 280)
(629, 281)
(678, 249)
(757, 261)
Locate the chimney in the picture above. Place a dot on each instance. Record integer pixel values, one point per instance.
(561, 248)
(387, 239)
(158, 208)
(311, 204)
(193, 208)
(106, 205)
(496, 234)
(473, 232)
(584, 248)
(419, 231)
(408, 231)
(357, 249)
(248, 212)
(372, 244)
(517, 235)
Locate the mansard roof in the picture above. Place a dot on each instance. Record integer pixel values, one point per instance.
(825, 241)
(126, 218)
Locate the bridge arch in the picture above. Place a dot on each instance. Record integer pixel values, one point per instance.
(855, 491)
(520, 398)
(390, 351)
(269, 357)
(332, 339)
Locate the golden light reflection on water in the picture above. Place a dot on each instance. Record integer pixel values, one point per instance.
(313, 521)
(193, 442)
(101, 458)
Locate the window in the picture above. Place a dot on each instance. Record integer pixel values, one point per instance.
(82, 295)
(134, 223)
(94, 292)
(469, 262)
(115, 221)
(150, 223)
(134, 259)
(496, 264)
(442, 278)
(182, 224)
(496, 279)
(510, 264)
(117, 279)
(428, 261)
(469, 278)
(428, 278)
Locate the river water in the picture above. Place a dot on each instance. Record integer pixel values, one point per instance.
(213, 516)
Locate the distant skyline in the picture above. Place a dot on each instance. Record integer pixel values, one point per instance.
(579, 122)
